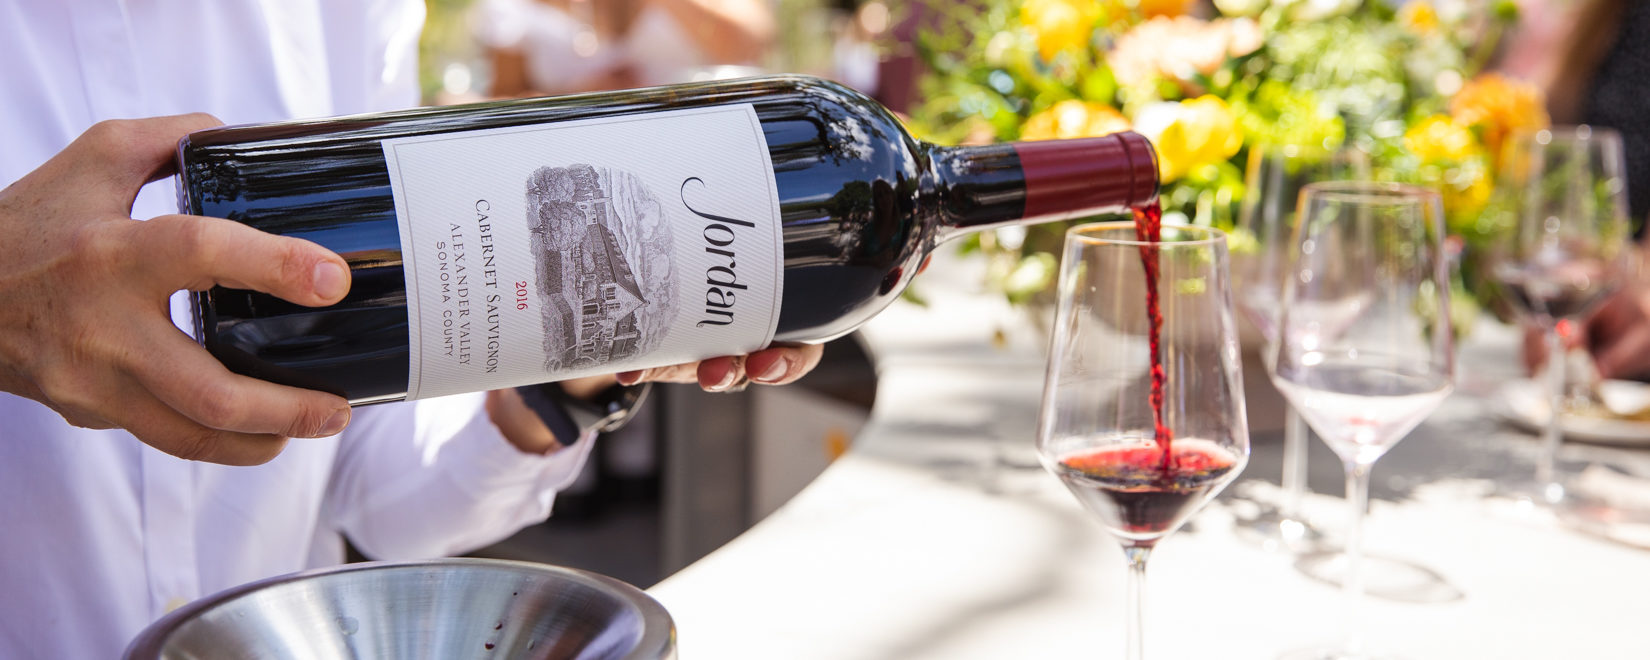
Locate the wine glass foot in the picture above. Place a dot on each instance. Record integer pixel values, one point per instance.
(1333, 652)
(1605, 501)
(1532, 493)
(1384, 577)
(1276, 532)
(1264, 523)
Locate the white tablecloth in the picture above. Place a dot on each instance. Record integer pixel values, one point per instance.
(931, 538)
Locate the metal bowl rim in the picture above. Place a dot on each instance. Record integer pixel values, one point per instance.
(658, 630)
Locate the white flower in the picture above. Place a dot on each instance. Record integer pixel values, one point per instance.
(1317, 10)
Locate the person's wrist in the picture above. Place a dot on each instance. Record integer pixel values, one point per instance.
(593, 408)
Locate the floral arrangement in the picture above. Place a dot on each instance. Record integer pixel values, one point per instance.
(1404, 84)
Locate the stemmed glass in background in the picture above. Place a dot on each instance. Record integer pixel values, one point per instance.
(1366, 386)
(1144, 469)
(1263, 249)
(1565, 247)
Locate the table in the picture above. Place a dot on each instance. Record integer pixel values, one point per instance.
(933, 539)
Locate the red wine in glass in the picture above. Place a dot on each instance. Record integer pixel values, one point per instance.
(1143, 491)
(1568, 290)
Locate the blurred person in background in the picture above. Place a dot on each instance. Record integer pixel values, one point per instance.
(1600, 74)
(108, 521)
(547, 47)
(1593, 61)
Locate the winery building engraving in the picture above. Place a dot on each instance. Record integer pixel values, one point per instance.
(603, 264)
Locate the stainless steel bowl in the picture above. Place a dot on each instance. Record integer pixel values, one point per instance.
(444, 609)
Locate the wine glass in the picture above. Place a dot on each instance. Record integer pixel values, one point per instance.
(1262, 250)
(1142, 414)
(1564, 247)
(1363, 388)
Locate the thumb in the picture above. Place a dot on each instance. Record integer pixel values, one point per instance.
(125, 154)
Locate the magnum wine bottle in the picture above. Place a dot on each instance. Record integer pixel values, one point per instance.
(507, 243)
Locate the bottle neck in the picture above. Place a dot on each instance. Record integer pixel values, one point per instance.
(986, 187)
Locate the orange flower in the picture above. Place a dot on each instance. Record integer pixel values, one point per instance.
(1073, 118)
(1171, 8)
(1497, 106)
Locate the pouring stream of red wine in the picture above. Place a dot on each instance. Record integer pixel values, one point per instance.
(1148, 227)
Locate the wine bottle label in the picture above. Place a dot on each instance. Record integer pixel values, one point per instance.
(578, 248)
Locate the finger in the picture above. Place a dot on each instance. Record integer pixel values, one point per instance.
(1626, 357)
(195, 253)
(134, 152)
(676, 373)
(163, 428)
(80, 418)
(182, 375)
(722, 374)
(780, 365)
(1620, 315)
(1613, 312)
(1535, 349)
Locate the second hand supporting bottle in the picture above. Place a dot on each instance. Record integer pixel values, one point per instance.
(509, 243)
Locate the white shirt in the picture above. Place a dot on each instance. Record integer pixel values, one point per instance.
(101, 534)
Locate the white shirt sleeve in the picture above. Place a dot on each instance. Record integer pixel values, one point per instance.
(436, 478)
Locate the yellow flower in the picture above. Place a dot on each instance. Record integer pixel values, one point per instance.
(1060, 25)
(1419, 17)
(1190, 133)
(1454, 161)
(1150, 8)
(1073, 118)
(1497, 106)
(1441, 138)
(1466, 193)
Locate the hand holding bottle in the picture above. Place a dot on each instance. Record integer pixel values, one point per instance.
(86, 328)
(769, 366)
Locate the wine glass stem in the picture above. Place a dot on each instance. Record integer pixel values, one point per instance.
(1551, 435)
(1352, 582)
(1137, 556)
(1294, 462)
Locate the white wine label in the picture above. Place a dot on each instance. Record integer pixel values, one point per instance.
(577, 248)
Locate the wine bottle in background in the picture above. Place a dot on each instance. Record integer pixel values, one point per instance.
(506, 243)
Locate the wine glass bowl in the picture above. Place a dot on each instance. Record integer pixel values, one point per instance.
(1361, 355)
(1140, 492)
(1142, 415)
(1264, 234)
(1562, 246)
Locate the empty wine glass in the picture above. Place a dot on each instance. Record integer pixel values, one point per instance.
(1564, 248)
(1262, 249)
(1142, 415)
(1377, 247)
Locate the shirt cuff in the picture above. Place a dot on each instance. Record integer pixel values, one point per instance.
(485, 464)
